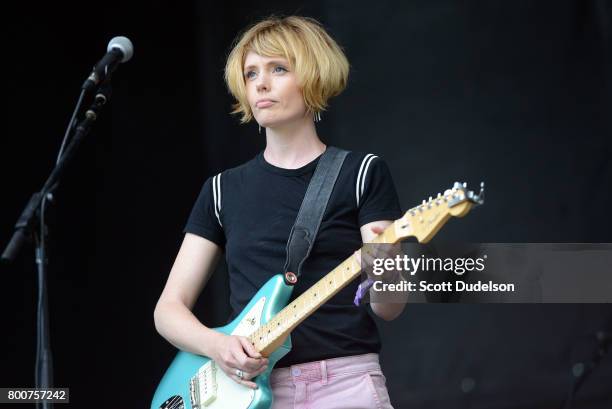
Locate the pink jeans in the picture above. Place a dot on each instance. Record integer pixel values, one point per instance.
(351, 382)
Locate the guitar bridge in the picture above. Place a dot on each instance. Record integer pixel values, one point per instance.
(203, 386)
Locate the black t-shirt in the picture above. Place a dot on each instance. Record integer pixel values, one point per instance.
(249, 211)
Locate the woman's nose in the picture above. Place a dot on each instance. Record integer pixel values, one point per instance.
(262, 82)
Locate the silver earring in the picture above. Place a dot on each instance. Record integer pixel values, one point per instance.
(317, 116)
(259, 128)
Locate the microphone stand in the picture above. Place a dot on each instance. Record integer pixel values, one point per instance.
(26, 227)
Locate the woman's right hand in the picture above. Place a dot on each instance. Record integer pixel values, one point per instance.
(235, 353)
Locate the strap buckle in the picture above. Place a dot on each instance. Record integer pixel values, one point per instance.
(290, 278)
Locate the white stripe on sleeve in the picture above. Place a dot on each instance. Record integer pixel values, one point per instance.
(217, 196)
(361, 176)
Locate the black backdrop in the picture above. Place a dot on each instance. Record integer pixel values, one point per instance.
(514, 93)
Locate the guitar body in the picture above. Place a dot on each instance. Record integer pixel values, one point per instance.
(189, 381)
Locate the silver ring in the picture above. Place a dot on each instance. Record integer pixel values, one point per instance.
(239, 373)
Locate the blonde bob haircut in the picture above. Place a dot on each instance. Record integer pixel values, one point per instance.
(319, 64)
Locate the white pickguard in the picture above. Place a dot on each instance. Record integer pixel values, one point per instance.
(230, 394)
(251, 321)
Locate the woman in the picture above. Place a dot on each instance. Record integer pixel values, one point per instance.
(282, 72)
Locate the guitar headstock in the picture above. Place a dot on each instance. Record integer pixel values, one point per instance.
(424, 220)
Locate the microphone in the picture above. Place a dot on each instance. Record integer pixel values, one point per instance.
(120, 49)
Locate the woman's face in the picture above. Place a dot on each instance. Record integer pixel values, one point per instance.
(272, 90)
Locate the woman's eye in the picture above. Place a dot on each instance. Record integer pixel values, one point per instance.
(251, 74)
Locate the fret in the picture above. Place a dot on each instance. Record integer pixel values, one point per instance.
(254, 338)
(317, 294)
(283, 319)
(273, 325)
(331, 282)
(286, 320)
(278, 322)
(310, 300)
(296, 306)
(325, 284)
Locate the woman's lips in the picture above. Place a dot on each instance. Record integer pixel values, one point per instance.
(264, 104)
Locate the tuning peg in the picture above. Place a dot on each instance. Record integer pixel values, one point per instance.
(481, 193)
(456, 185)
(464, 185)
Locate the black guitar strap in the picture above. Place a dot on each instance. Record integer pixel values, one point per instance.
(304, 231)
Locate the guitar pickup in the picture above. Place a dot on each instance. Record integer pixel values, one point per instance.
(203, 386)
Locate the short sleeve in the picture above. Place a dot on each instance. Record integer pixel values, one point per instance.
(375, 192)
(205, 218)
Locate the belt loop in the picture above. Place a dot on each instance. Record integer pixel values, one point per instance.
(323, 373)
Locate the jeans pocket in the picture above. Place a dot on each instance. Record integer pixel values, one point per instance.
(377, 382)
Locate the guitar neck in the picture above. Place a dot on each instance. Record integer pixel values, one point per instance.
(271, 335)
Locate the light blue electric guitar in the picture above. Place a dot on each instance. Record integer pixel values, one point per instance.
(196, 382)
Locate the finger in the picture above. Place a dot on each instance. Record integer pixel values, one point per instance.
(377, 229)
(396, 249)
(364, 259)
(367, 258)
(388, 250)
(247, 376)
(249, 384)
(253, 354)
(249, 348)
(384, 251)
(249, 364)
(244, 382)
(260, 371)
(242, 359)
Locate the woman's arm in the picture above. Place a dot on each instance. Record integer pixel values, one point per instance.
(194, 264)
(386, 311)
(174, 320)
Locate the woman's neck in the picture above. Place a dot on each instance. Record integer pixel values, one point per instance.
(293, 146)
